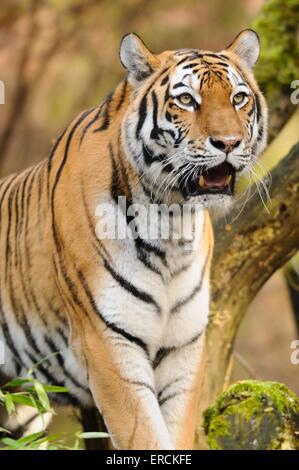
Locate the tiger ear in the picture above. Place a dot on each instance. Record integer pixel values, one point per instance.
(136, 58)
(246, 46)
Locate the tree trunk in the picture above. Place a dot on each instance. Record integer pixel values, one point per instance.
(292, 279)
(247, 254)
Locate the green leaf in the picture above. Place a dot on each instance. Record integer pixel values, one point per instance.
(76, 445)
(4, 430)
(8, 400)
(50, 438)
(8, 441)
(92, 435)
(30, 438)
(55, 389)
(23, 399)
(42, 395)
(37, 405)
(17, 382)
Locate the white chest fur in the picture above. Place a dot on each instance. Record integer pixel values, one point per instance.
(163, 309)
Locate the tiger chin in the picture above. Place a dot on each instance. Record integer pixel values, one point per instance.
(128, 314)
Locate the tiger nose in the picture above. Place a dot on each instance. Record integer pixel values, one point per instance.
(226, 144)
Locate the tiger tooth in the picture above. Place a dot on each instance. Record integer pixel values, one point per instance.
(228, 179)
(201, 182)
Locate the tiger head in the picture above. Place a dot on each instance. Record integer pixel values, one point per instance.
(196, 119)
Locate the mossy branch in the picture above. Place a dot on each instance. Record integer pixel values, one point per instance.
(254, 415)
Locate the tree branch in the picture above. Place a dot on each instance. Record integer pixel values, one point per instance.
(21, 88)
(247, 254)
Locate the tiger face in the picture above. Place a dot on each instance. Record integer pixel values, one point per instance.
(197, 119)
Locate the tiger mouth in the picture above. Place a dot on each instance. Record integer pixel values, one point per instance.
(217, 180)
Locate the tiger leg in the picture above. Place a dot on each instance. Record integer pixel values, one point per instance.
(121, 380)
(179, 379)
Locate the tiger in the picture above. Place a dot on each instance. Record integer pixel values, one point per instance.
(128, 314)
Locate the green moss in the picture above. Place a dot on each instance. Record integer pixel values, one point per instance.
(278, 25)
(217, 428)
(253, 415)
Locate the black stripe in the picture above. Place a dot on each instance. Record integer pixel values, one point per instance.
(59, 358)
(178, 85)
(250, 112)
(60, 332)
(191, 65)
(215, 56)
(7, 187)
(155, 131)
(8, 250)
(144, 258)
(112, 326)
(30, 338)
(115, 179)
(258, 107)
(168, 116)
(144, 245)
(260, 133)
(180, 270)
(167, 95)
(140, 383)
(142, 115)
(90, 123)
(181, 303)
(58, 314)
(122, 96)
(23, 193)
(106, 118)
(97, 244)
(170, 384)
(125, 176)
(172, 395)
(125, 284)
(68, 142)
(19, 431)
(17, 221)
(165, 80)
(51, 156)
(221, 64)
(143, 103)
(147, 157)
(147, 191)
(164, 352)
(184, 59)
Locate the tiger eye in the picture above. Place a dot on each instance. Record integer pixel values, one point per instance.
(185, 99)
(239, 97)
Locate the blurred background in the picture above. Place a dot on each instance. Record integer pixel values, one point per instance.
(58, 57)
